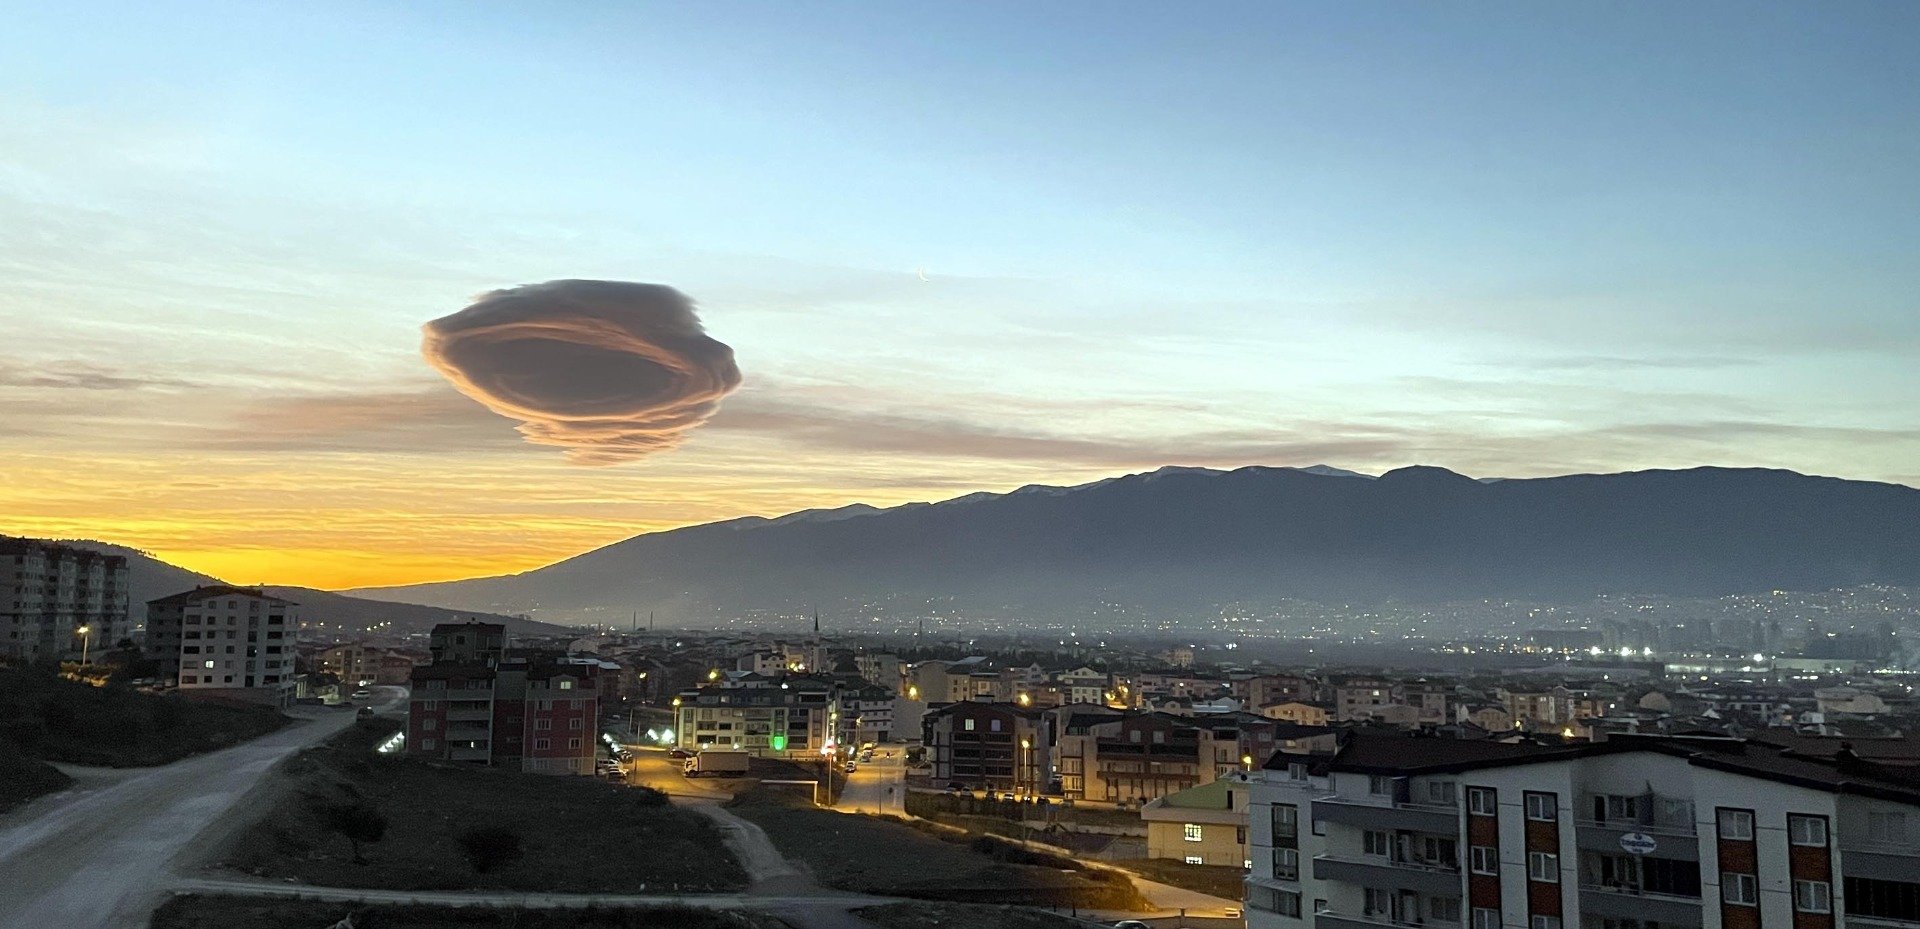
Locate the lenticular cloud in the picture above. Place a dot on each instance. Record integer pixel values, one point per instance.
(608, 370)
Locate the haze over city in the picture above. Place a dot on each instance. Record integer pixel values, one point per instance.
(952, 248)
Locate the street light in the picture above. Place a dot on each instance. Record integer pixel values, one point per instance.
(86, 638)
(1026, 764)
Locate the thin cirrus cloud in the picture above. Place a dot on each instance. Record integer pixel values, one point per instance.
(610, 371)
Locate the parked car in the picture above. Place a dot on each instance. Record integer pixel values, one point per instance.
(679, 753)
(362, 694)
(850, 767)
(365, 712)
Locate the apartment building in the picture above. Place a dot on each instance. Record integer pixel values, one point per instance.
(49, 592)
(1200, 825)
(865, 714)
(225, 641)
(1631, 833)
(1132, 758)
(789, 715)
(468, 642)
(354, 662)
(534, 714)
(996, 746)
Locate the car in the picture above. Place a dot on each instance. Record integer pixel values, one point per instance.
(850, 767)
(679, 753)
(362, 694)
(1131, 924)
(365, 712)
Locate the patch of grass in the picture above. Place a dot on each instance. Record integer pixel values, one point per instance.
(569, 834)
(23, 778)
(1215, 880)
(884, 855)
(196, 911)
(52, 718)
(970, 915)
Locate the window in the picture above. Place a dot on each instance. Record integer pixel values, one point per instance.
(1813, 896)
(967, 725)
(1379, 784)
(576, 724)
(1889, 828)
(1485, 859)
(1296, 771)
(1191, 832)
(573, 743)
(426, 744)
(542, 744)
(1612, 807)
(1286, 823)
(1743, 889)
(1444, 909)
(1440, 793)
(209, 663)
(1286, 903)
(1486, 918)
(428, 725)
(542, 724)
(1897, 901)
(1544, 807)
(1378, 902)
(1543, 867)
(1286, 864)
(1545, 922)
(1480, 802)
(1736, 825)
(1378, 843)
(1807, 830)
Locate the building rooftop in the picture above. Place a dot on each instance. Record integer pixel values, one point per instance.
(214, 590)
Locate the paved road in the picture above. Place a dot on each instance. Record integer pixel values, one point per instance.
(877, 786)
(100, 857)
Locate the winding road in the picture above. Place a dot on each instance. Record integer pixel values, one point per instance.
(102, 855)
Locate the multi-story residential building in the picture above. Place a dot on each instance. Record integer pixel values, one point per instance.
(882, 668)
(1085, 685)
(791, 715)
(225, 641)
(1630, 833)
(1295, 711)
(1136, 757)
(50, 592)
(353, 662)
(1200, 825)
(866, 714)
(533, 714)
(996, 746)
(470, 642)
(1361, 699)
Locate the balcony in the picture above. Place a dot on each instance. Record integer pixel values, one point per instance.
(1882, 861)
(1327, 919)
(484, 714)
(1627, 902)
(1604, 837)
(1383, 814)
(1383, 872)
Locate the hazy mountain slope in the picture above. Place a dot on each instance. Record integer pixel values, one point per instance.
(1185, 536)
(149, 578)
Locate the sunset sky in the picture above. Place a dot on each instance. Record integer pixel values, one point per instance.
(1509, 239)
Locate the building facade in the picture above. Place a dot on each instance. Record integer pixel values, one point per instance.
(50, 592)
(225, 641)
(775, 716)
(991, 746)
(1631, 833)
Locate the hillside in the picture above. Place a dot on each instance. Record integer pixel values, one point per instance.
(149, 578)
(1181, 538)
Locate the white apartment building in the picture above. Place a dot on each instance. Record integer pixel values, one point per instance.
(226, 639)
(49, 592)
(1632, 833)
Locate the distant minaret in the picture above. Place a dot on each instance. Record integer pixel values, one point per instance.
(816, 623)
(649, 620)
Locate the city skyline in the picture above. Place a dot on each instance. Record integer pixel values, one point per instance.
(954, 249)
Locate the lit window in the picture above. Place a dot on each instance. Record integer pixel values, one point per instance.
(1191, 832)
(1195, 859)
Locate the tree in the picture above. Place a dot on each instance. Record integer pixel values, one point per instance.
(489, 847)
(357, 822)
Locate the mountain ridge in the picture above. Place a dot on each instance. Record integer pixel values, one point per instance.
(1176, 538)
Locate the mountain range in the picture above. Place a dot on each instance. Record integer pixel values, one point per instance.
(1188, 539)
(149, 578)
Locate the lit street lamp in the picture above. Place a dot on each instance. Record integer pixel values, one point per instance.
(86, 638)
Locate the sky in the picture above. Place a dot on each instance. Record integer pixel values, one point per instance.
(953, 247)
